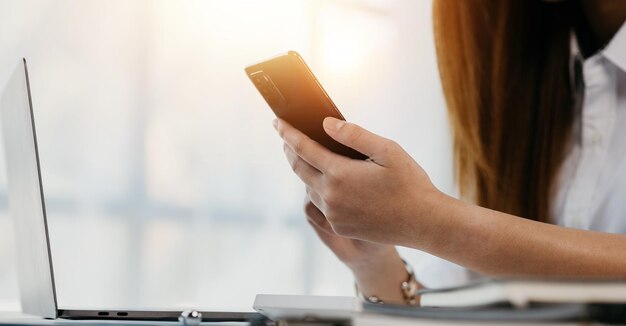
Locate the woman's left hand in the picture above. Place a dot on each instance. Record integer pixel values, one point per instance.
(385, 199)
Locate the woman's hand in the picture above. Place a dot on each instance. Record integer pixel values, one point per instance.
(383, 199)
(377, 268)
(389, 199)
(356, 254)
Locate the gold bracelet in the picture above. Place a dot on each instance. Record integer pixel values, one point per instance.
(409, 289)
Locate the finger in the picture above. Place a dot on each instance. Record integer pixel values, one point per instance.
(316, 199)
(377, 148)
(317, 219)
(327, 235)
(309, 150)
(307, 173)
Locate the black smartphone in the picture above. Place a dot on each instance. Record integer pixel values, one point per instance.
(294, 94)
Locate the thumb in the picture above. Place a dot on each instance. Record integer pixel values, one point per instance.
(377, 148)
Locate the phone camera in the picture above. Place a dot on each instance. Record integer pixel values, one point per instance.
(266, 87)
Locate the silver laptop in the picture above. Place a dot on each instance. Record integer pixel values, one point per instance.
(27, 207)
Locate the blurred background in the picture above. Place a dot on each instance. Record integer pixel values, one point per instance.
(165, 182)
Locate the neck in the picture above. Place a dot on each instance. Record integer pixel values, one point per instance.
(601, 20)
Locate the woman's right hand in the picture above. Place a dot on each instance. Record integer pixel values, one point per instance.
(378, 268)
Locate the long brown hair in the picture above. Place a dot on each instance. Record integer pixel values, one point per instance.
(504, 67)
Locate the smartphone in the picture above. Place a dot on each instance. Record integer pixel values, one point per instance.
(294, 94)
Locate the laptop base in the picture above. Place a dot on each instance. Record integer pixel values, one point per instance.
(137, 315)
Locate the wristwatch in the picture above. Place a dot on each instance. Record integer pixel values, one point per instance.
(409, 289)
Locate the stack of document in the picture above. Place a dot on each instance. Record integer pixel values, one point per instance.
(507, 301)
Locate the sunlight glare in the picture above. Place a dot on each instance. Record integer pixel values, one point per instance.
(350, 39)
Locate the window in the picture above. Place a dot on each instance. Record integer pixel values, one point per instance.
(165, 182)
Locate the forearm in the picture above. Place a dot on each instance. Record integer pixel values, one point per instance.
(502, 245)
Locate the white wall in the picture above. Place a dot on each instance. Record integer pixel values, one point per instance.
(165, 182)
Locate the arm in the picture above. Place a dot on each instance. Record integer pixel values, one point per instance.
(390, 199)
(499, 244)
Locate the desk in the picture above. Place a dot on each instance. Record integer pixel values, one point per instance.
(14, 318)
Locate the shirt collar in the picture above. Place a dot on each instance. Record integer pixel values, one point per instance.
(615, 51)
(575, 66)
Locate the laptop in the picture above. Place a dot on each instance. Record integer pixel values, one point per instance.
(27, 207)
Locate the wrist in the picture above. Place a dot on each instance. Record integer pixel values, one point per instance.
(428, 220)
(374, 261)
(389, 272)
(382, 278)
(391, 283)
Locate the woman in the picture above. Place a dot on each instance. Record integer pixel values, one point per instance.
(536, 93)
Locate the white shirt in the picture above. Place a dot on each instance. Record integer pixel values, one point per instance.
(591, 185)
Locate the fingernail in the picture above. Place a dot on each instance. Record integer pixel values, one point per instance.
(339, 124)
(333, 124)
(275, 124)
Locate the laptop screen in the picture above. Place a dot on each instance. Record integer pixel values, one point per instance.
(26, 202)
